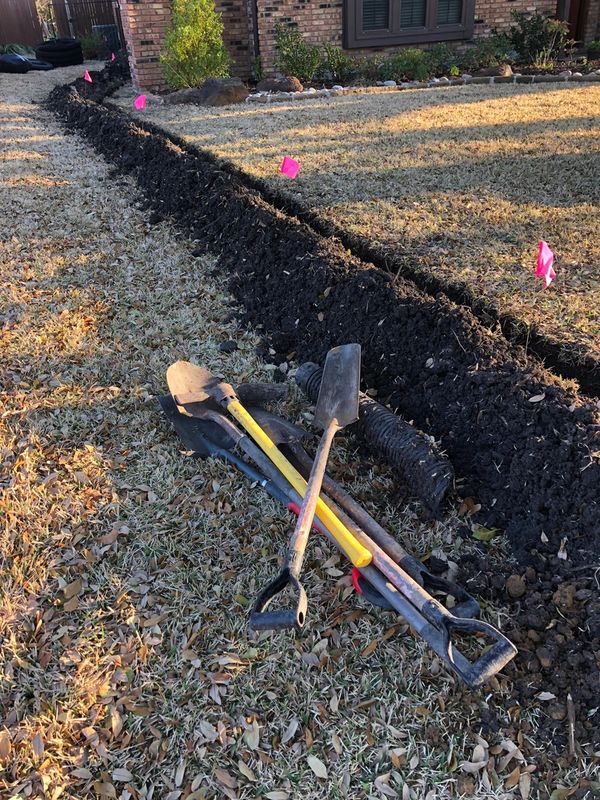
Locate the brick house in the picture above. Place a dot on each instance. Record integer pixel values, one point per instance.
(362, 27)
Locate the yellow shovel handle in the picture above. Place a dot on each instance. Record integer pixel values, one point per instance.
(356, 552)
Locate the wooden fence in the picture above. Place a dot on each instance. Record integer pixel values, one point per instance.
(76, 17)
(19, 22)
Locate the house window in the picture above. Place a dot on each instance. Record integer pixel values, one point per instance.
(368, 23)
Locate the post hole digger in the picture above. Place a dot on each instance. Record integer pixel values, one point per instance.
(394, 578)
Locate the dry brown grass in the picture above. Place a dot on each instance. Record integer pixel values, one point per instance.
(127, 569)
(463, 182)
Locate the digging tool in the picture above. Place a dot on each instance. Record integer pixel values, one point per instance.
(337, 407)
(439, 639)
(192, 387)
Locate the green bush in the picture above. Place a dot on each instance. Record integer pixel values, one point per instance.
(336, 66)
(536, 37)
(489, 52)
(594, 48)
(409, 64)
(370, 68)
(441, 58)
(92, 45)
(194, 49)
(294, 56)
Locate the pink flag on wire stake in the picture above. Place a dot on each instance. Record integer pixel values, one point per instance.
(140, 102)
(289, 167)
(86, 77)
(545, 260)
(113, 57)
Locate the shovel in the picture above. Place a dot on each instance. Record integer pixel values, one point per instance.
(195, 390)
(337, 407)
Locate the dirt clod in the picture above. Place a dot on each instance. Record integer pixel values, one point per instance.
(515, 586)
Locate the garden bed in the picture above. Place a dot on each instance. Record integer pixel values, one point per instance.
(433, 187)
(524, 443)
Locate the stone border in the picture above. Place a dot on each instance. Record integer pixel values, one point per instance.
(465, 80)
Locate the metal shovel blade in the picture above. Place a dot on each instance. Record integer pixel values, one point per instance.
(189, 384)
(340, 386)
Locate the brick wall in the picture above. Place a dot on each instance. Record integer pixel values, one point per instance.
(319, 21)
(144, 26)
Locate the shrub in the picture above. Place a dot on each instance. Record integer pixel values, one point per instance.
(409, 64)
(489, 52)
(19, 49)
(536, 37)
(194, 49)
(441, 58)
(294, 56)
(337, 66)
(593, 48)
(370, 68)
(92, 45)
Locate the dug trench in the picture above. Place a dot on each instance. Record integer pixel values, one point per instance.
(524, 443)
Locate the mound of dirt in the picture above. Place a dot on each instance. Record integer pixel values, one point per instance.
(525, 443)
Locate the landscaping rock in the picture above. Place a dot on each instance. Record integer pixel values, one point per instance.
(228, 347)
(501, 71)
(390, 83)
(213, 92)
(515, 586)
(286, 84)
(337, 88)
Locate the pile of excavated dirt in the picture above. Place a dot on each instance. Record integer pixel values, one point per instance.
(524, 442)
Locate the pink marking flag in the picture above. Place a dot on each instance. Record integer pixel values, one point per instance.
(544, 264)
(86, 77)
(113, 57)
(289, 167)
(140, 102)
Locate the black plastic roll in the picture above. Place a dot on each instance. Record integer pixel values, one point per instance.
(425, 470)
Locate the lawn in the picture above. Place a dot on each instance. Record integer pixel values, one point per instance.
(462, 182)
(127, 568)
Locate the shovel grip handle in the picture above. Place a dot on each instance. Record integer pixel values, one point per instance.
(354, 550)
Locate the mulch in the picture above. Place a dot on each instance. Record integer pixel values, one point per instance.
(524, 442)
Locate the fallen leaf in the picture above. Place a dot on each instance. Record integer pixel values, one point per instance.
(369, 649)
(116, 721)
(485, 534)
(225, 778)
(290, 731)
(537, 398)
(72, 589)
(83, 773)
(545, 696)
(320, 316)
(37, 744)
(121, 774)
(105, 789)
(110, 537)
(5, 745)
(513, 778)
(252, 736)
(277, 795)
(317, 766)
(179, 773)
(525, 785)
(246, 771)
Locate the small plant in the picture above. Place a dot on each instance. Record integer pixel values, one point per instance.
(370, 68)
(535, 35)
(454, 71)
(258, 72)
(488, 52)
(409, 64)
(92, 45)
(294, 56)
(593, 49)
(441, 57)
(336, 66)
(194, 49)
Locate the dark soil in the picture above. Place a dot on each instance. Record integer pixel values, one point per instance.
(533, 466)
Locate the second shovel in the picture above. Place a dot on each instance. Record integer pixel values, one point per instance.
(337, 406)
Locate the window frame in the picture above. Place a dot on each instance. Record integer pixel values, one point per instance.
(354, 36)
